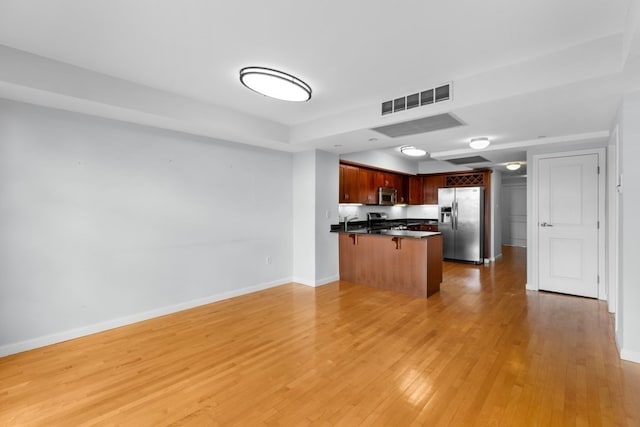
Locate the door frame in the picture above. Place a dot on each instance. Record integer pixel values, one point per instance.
(532, 220)
(613, 228)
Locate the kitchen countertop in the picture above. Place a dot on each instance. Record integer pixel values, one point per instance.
(389, 223)
(393, 233)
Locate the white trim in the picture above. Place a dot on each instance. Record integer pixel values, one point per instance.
(327, 280)
(304, 281)
(613, 226)
(631, 356)
(602, 230)
(57, 337)
(602, 135)
(493, 259)
(532, 224)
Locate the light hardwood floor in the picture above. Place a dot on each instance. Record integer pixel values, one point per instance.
(481, 352)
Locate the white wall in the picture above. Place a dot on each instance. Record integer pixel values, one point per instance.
(327, 177)
(315, 201)
(393, 212)
(380, 159)
(103, 223)
(628, 337)
(304, 217)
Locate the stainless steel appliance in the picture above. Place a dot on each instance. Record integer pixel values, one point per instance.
(387, 196)
(377, 220)
(461, 222)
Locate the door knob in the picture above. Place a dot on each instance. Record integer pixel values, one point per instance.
(544, 224)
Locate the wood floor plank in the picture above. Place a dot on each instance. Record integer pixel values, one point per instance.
(483, 351)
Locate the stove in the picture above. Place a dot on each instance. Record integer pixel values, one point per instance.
(377, 221)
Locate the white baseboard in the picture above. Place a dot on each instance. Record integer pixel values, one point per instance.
(57, 337)
(631, 356)
(327, 280)
(315, 283)
(304, 281)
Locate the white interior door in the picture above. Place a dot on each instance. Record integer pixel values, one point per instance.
(568, 225)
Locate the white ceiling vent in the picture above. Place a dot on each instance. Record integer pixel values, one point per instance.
(468, 160)
(424, 125)
(418, 99)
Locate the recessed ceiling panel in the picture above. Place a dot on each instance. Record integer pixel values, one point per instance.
(468, 160)
(423, 125)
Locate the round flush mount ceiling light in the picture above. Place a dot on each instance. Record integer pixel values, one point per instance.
(412, 151)
(479, 143)
(513, 166)
(275, 84)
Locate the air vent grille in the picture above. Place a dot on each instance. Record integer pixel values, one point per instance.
(423, 125)
(420, 99)
(468, 160)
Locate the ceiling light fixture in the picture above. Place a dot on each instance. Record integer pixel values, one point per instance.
(479, 143)
(275, 84)
(513, 166)
(412, 151)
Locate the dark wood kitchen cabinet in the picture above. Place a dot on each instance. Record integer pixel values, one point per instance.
(415, 190)
(349, 186)
(368, 193)
(360, 184)
(385, 179)
(400, 184)
(430, 186)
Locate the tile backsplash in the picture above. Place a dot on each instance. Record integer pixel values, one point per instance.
(394, 212)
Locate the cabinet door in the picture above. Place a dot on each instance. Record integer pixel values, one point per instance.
(389, 180)
(415, 190)
(428, 227)
(430, 187)
(348, 184)
(368, 187)
(400, 184)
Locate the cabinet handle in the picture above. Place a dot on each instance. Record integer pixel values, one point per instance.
(355, 238)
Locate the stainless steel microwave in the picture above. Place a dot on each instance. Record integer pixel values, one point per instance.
(387, 196)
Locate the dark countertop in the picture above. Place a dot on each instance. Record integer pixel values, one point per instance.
(362, 226)
(393, 233)
(385, 224)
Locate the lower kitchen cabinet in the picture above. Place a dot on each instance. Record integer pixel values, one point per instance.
(412, 266)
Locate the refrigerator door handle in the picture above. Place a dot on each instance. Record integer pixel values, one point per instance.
(455, 215)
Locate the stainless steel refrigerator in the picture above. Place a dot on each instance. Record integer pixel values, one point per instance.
(461, 222)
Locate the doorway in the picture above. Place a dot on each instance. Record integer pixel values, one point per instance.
(568, 210)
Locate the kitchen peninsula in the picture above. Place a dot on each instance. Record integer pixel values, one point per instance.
(404, 261)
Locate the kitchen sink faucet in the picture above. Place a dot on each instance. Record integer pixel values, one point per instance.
(346, 221)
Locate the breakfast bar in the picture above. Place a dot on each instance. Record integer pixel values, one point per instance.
(404, 261)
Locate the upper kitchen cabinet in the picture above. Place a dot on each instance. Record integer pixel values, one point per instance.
(349, 186)
(430, 186)
(385, 179)
(368, 193)
(361, 184)
(400, 183)
(415, 190)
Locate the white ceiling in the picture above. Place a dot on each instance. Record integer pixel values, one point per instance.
(519, 70)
